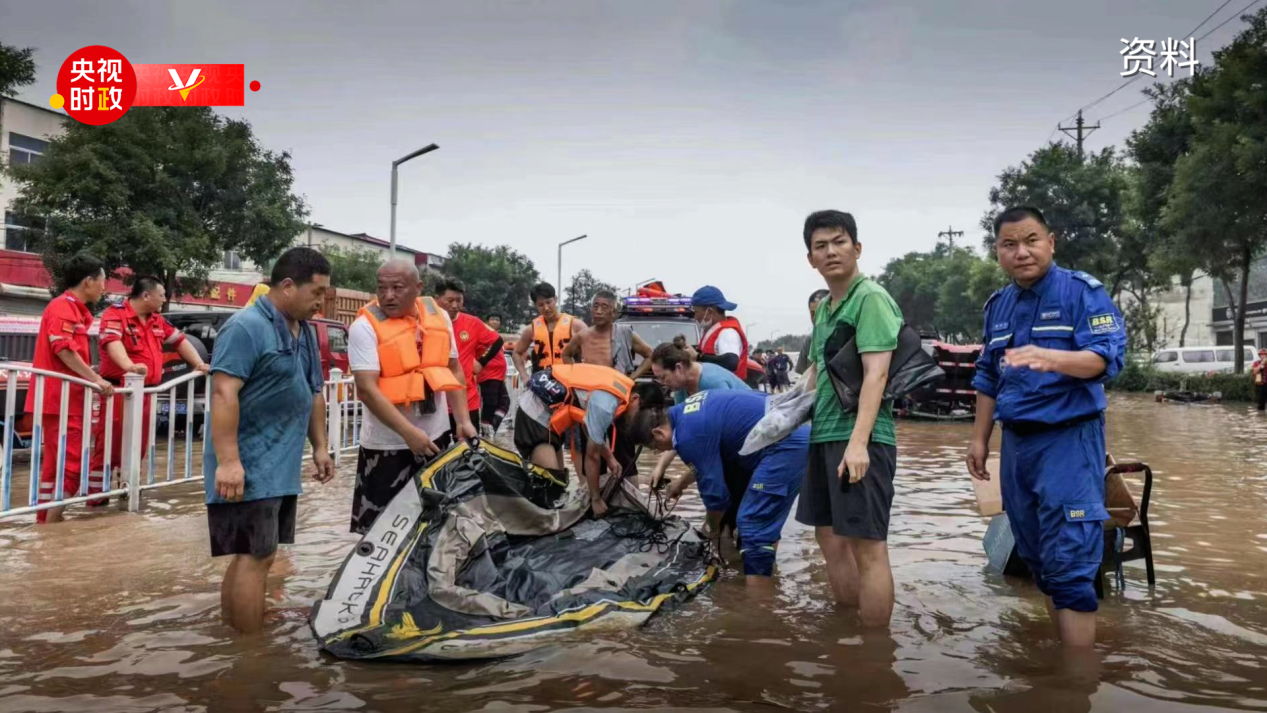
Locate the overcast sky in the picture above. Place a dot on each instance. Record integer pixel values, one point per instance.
(687, 139)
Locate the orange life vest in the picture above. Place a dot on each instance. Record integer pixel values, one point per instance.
(591, 378)
(406, 367)
(710, 344)
(547, 349)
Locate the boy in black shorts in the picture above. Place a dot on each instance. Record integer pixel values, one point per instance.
(848, 488)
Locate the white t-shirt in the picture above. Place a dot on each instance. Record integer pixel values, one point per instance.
(363, 356)
(728, 342)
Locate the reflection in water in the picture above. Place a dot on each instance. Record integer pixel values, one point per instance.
(119, 612)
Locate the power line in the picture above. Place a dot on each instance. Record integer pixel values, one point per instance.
(1190, 33)
(1145, 100)
(1216, 28)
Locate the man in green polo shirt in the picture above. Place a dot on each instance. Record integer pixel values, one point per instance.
(848, 487)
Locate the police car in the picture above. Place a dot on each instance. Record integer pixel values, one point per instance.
(658, 317)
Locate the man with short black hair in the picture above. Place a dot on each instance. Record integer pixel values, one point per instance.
(266, 393)
(547, 335)
(802, 359)
(494, 396)
(1051, 339)
(477, 346)
(133, 337)
(848, 490)
(62, 346)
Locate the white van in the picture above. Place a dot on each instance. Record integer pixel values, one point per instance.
(1199, 360)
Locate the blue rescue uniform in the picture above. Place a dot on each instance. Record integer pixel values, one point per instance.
(1053, 455)
(709, 428)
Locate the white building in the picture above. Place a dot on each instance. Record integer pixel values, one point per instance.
(25, 130)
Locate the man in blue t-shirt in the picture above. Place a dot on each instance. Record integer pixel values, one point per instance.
(707, 431)
(265, 397)
(675, 369)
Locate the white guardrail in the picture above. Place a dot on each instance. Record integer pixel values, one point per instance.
(343, 422)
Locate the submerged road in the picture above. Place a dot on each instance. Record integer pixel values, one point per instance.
(119, 612)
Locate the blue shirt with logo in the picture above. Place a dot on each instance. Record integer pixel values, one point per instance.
(713, 377)
(1066, 310)
(709, 428)
(280, 374)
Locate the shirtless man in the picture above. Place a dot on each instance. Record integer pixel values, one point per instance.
(607, 343)
(546, 336)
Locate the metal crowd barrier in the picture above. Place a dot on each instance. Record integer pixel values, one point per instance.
(343, 423)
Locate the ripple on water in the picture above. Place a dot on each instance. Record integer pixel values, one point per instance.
(87, 625)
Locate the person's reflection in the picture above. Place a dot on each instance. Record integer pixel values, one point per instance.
(1057, 678)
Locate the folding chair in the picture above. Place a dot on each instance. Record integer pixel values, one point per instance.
(1127, 522)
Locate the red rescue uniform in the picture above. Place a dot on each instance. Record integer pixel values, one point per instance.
(474, 338)
(144, 340)
(64, 325)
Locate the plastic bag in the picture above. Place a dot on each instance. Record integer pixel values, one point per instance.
(784, 413)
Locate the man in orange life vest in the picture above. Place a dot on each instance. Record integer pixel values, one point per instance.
(62, 346)
(133, 337)
(548, 334)
(405, 362)
(477, 342)
(724, 342)
(604, 404)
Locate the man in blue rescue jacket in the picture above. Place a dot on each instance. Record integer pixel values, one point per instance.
(707, 431)
(1052, 338)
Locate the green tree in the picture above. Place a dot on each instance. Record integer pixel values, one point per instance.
(942, 291)
(789, 342)
(581, 292)
(1156, 148)
(1082, 200)
(353, 268)
(497, 280)
(163, 191)
(17, 68)
(1216, 207)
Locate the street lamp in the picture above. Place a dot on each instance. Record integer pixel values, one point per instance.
(425, 149)
(565, 242)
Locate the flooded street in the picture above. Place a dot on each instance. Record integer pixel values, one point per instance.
(118, 612)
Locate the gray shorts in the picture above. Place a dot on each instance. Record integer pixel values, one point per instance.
(252, 527)
(858, 509)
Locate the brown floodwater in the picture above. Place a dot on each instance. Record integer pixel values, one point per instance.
(119, 612)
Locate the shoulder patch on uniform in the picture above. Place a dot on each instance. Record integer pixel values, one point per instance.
(1089, 279)
(991, 298)
(696, 398)
(1103, 323)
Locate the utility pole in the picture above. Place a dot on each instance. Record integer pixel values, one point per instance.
(950, 234)
(1081, 129)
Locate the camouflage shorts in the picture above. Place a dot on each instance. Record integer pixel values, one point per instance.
(379, 476)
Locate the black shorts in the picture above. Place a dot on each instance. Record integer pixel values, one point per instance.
(529, 434)
(858, 509)
(494, 402)
(253, 527)
(380, 475)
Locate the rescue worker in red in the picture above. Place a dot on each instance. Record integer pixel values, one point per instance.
(477, 343)
(62, 347)
(134, 335)
(548, 334)
(724, 342)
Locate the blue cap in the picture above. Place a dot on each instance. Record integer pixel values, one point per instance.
(709, 296)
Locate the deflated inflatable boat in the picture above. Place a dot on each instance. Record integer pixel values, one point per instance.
(489, 557)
